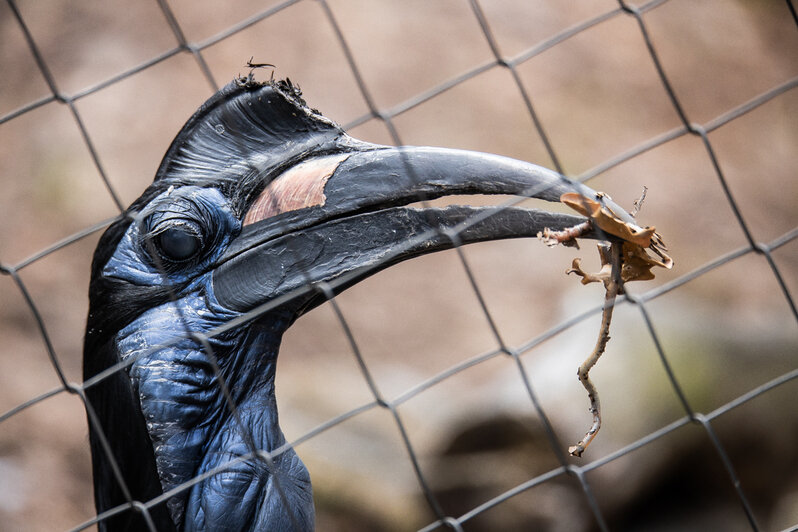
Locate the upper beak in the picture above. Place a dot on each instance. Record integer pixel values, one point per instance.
(340, 217)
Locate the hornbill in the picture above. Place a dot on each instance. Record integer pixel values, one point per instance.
(260, 210)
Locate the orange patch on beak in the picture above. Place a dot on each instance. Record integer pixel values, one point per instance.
(298, 187)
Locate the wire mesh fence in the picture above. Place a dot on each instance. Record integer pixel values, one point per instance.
(695, 102)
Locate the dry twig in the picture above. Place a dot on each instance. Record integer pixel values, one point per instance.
(613, 287)
(623, 259)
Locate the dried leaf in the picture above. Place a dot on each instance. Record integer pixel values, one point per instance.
(637, 263)
(608, 221)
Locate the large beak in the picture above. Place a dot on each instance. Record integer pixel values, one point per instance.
(340, 217)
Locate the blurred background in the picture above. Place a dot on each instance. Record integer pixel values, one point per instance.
(725, 326)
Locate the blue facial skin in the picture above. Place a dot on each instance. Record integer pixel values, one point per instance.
(190, 422)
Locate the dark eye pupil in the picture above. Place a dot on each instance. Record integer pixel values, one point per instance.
(178, 244)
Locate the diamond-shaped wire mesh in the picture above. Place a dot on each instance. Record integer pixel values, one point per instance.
(440, 393)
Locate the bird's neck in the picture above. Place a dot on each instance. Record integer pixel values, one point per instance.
(245, 458)
(207, 405)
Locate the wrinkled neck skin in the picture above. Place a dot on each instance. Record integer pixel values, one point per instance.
(192, 428)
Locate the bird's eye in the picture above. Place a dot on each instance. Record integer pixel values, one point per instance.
(178, 232)
(178, 243)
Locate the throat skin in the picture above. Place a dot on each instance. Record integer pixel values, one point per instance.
(196, 428)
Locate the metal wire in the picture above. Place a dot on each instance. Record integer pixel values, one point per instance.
(387, 116)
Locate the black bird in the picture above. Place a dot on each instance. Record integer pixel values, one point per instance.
(259, 203)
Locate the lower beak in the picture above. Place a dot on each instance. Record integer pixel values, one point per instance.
(338, 218)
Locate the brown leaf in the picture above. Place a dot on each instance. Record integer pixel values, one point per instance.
(608, 221)
(637, 263)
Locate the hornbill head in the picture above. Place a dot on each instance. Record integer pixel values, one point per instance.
(261, 209)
